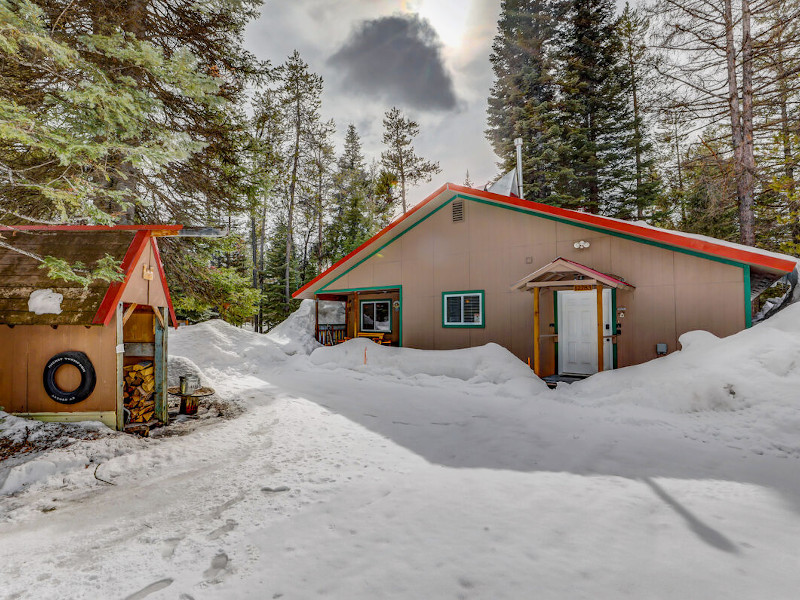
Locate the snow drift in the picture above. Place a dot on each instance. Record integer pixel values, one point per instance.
(295, 335)
(754, 367)
(489, 364)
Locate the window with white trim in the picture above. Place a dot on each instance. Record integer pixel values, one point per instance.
(462, 309)
(376, 315)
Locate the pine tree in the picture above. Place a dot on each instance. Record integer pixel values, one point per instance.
(522, 102)
(276, 266)
(593, 110)
(399, 157)
(102, 96)
(300, 93)
(381, 197)
(349, 226)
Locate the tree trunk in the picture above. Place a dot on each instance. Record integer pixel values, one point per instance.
(746, 208)
(637, 134)
(744, 199)
(254, 250)
(290, 216)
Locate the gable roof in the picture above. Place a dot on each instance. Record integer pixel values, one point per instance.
(20, 274)
(763, 261)
(562, 271)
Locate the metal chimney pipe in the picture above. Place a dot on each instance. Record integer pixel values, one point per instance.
(518, 144)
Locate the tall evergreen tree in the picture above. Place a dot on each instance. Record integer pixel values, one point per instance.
(300, 93)
(349, 223)
(399, 157)
(522, 102)
(593, 110)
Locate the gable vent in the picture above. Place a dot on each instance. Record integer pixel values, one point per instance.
(458, 211)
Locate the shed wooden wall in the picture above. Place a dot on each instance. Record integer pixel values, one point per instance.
(25, 350)
(494, 247)
(143, 291)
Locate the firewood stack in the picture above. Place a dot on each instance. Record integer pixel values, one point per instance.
(140, 383)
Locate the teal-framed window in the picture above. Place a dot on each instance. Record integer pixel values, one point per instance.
(375, 316)
(463, 309)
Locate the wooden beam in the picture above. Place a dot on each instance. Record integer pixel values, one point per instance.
(120, 380)
(599, 327)
(160, 360)
(157, 313)
(316, 319)
(536, 350)
(565, 283)
(129, 312)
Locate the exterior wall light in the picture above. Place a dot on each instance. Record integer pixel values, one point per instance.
(581, 245)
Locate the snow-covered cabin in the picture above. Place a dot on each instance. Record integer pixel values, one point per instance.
(571, 292)
(63, 347)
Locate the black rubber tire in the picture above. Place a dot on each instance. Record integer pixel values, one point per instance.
(88, 377)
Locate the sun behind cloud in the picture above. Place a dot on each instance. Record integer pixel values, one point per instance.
(448, 17)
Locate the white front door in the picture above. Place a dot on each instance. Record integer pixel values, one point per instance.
(577, 332)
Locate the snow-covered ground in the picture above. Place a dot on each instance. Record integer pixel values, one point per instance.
(364, 472)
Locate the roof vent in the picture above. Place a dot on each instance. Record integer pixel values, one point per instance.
(458, 211)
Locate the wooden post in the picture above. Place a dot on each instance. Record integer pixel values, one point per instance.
(120, 350)
(160, 360)
(536, 350)
(599, 327)
(356, 315)
(316, 320)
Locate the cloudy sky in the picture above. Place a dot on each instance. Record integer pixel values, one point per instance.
(430, 58)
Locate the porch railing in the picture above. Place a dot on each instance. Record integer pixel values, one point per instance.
(330, 335)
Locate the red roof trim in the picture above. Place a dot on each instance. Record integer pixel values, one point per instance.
(170, 228)
(378, 235)
(109, 304)
(663, 237)
(162, 274)
(660, 236)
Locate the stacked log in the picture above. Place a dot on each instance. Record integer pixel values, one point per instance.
(140, 384)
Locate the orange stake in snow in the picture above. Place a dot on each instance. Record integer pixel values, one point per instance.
(365, 356)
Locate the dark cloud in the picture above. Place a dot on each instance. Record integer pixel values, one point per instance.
(398, 59)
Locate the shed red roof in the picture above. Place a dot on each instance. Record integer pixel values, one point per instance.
(20, 273)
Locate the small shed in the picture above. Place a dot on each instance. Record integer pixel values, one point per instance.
(72, 353)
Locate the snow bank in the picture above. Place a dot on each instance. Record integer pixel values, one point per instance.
(489, 364)
(752, 376)
(296, 334)
(220, 344)
(755, 366)
(30, 437)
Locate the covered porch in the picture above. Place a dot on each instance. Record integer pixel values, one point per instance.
(584, 317)
(365, 313)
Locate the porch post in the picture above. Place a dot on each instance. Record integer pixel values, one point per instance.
(316, 320)
(599, 327)
(536, 351)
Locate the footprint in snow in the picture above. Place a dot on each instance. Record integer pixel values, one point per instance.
(150, 589)
(169, 547)
(271, 490)
(218, 564)
(230, 524)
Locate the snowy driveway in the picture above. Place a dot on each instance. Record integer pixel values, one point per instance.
(405, 487)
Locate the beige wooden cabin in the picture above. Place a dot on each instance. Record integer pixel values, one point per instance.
(112, 324)
(573, 293)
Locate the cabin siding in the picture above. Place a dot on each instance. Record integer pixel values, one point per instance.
(494, 246)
